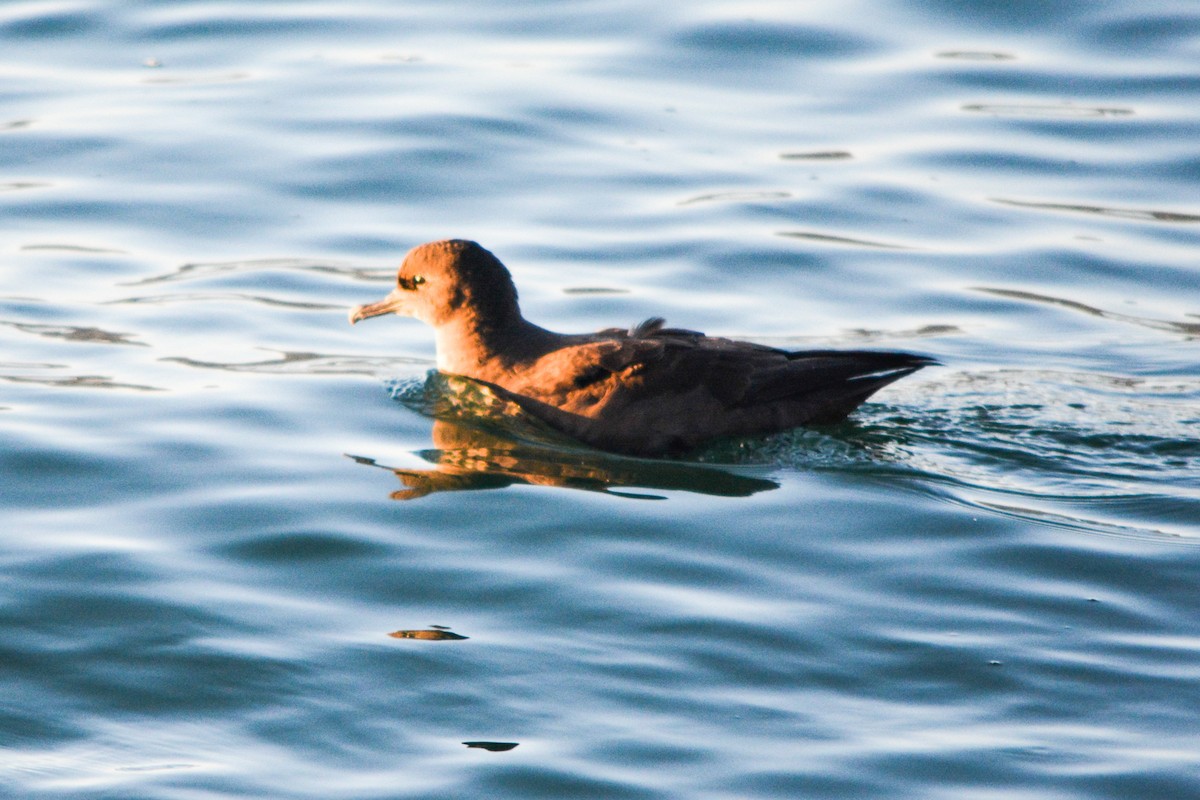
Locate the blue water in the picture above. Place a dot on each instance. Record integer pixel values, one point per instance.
(218, 499)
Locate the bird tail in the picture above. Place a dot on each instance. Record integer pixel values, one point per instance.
(832, 383)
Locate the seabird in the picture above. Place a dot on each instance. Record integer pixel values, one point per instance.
(648, 390)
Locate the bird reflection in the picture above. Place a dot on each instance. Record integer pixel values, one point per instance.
(483, 441)
(468, 456)
(465, 458)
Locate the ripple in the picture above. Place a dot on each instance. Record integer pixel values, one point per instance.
(879, 335)
(157, 767)
(51, 23)
(196, 271)
(72, 248)
(1105, 211)
(1189, 329)
(75, 334)
(976, 55)
(215, 78)
(1061, 111)
(1105, 454)
(818, 155)
(753, 40)
(16, 186)
(1061, 446)
(1081, 522)
(223, 297)
(79, 382)
(735, 197)
(302, 363)
(826, 238)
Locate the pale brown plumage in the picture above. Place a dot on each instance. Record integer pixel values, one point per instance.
(648, 390)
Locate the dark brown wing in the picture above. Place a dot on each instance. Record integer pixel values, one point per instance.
(653, 389)
(743, 374)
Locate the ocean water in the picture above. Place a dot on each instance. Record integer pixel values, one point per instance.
(218, 499)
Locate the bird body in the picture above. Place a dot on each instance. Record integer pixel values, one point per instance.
(648, 390)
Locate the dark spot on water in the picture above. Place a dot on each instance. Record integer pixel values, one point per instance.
(594, 290)
(1066, 111)
(18, 185)
(298, 547)
(976, 55)
(436, 634)
(495, 747)
(818, 155)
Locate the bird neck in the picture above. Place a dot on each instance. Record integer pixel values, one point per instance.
(488, 349)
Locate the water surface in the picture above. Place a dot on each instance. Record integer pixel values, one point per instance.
(219, 499)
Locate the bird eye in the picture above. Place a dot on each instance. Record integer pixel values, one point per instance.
(410, 284)
(418, 280)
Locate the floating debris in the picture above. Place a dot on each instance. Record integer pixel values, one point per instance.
(437, 633)
(495, 747)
